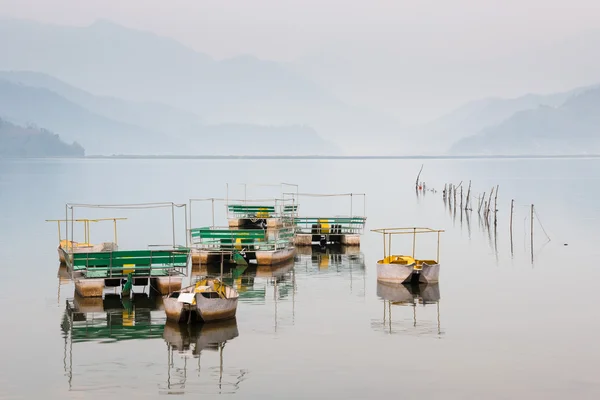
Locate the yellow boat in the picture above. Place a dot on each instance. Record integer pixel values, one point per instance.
(403, 268)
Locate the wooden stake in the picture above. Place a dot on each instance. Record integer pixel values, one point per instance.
(496, 199)
(468, 196)
(461, 198)
(532, 233)
(481, 200)
(489, 203)
(512, 207)
(455, 195)
(418, 176)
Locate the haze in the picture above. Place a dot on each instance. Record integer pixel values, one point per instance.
(415, 60)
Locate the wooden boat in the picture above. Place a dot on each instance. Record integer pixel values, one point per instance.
(208, 300)
(404, 268)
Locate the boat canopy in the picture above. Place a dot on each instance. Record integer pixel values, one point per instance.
(389, 232)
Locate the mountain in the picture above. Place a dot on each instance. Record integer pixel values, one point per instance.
(147, 115)
(23, 104)
(108, 59)
(17, 141)
(26, 105)
(571, 128)
(478, 115)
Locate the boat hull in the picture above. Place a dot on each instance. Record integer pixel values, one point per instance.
(177, 311)
(272, 257)
(215, 309)
(394, 273)
(430, 273)
(77, 248)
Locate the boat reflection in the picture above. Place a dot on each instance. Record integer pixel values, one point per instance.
(189, 341)
(109, 319)
(347, 262)
(112, 318)
(404, 297)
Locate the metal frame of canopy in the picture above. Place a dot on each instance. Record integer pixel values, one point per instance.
(86, 224)
(277, 202)
(389, 232)
(172, 205)
(297, 195)
(280, 185)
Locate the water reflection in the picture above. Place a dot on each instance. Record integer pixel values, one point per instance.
(109, 319)
(405, 300)
(189, 341)
(112, 318)
(345, 261)
(115, 319)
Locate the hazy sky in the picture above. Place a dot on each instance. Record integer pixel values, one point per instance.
(413, 58)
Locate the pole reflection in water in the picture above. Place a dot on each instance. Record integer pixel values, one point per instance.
(110, 319)
(423, 296)
(189, 341)
(115, 319)
(345, 261)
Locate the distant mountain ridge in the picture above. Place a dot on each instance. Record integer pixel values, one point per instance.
(108, 125)
(17, 141)
(571, 128)
(108, 59)
(147, 115)
(478, 115)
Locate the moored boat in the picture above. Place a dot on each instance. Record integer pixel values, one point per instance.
(404, 268)
(207, 300)
(66, 246)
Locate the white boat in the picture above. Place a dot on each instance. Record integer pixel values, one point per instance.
(404, 268)
(208, 300)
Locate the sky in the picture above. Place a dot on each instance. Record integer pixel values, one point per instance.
(413, 59)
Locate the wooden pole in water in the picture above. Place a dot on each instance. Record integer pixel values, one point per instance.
(532, 233)
(468, 196)
(461, 198)
(496, 199)
(481, 199)
(489, 203)
(454, 196)
(418, 176)
(512, 207)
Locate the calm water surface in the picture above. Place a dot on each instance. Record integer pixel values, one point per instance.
(503, 327)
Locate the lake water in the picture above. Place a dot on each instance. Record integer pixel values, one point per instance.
(504, 327)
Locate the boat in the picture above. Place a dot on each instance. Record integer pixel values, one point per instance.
(70, 246)
(66, 246)
(207, 300)
(401, 268)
